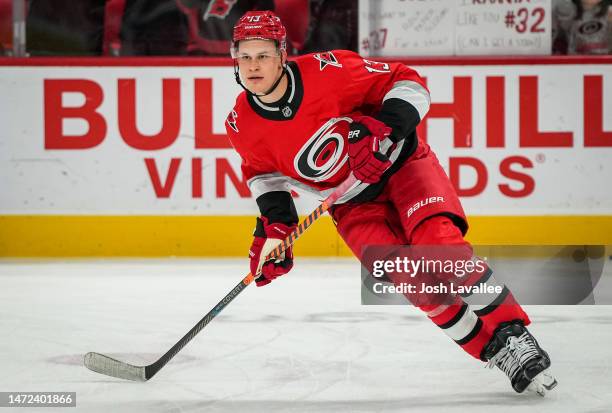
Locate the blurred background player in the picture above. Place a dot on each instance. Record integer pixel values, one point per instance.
(582, 27)
(312, 25)
(211, 22)
(309, 123)
(173, 27)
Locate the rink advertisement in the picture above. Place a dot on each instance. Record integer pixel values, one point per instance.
(145, 140)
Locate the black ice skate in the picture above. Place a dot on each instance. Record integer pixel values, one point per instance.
(517, 353)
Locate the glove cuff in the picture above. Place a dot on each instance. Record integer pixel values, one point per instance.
(276, 230)
(260, 231)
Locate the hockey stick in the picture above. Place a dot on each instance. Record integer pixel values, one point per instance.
(106, 365)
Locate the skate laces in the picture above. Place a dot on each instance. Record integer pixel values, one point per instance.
(522, 348)
(514, 355)
(504, 360)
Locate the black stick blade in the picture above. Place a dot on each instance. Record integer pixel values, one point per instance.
(110, 367)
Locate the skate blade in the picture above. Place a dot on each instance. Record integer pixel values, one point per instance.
(542, 383)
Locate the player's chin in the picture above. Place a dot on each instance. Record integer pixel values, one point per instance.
(256, 86)
(257, 89)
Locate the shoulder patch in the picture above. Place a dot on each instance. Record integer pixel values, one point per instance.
(231, 120)
(326, 59)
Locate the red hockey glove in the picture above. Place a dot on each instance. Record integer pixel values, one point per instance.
(265, 239)
(365, 135)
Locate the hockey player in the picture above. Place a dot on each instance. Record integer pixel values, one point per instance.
(309, 123)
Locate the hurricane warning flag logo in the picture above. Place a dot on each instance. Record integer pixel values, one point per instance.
(326, 59)
(231, 120)
(324, 154)
(219, 8)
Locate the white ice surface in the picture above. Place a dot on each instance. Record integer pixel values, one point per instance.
(302, 344)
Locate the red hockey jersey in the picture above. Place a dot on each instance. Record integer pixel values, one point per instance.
(301, 140)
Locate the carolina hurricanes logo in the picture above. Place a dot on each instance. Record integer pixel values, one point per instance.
(219, 8)
(323, 154)
(590, 27)
(231, 120)
(327, 58)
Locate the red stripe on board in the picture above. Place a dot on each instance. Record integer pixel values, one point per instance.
(226, 61)
(116, 61)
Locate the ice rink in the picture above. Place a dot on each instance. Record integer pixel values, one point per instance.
(302, 344)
